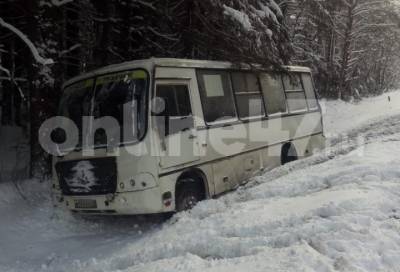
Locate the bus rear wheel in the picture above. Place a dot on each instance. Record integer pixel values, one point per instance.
(188, 194)
(288, 153)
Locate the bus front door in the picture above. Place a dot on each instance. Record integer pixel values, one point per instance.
(175, 124)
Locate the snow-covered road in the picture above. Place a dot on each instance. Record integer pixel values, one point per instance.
(336, 211)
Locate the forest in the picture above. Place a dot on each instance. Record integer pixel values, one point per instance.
(352, 46)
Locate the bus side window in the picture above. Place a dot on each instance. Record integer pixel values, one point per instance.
(295, 95)
(274, 94)
(175, 114)
(248, 95)
(216, 96)
(310, 93)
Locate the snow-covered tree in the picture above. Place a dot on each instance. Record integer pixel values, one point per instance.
(338, 37)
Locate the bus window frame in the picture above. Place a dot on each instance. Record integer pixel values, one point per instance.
(149, 85)
(236, 94)
(277, 114)
(266, 117)
(218, 123)
(318, 107)
(175, 82)
(302, 90)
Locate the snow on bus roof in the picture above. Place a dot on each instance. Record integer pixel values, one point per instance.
(171, 62)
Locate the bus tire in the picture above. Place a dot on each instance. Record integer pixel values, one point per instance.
(189, 192)
(288, 153)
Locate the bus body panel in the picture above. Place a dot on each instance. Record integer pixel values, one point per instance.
(227, 154)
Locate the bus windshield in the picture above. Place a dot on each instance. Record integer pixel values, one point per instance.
(120, 97)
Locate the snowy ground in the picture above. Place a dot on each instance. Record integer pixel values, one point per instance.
(336, 211)
(340, 116)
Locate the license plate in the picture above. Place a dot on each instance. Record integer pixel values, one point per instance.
(85, 204)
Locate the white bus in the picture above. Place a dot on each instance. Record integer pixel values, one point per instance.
(200, 128)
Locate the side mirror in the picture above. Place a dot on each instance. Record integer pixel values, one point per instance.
(58, 136)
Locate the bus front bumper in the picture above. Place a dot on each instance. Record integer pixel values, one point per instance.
(125, 203)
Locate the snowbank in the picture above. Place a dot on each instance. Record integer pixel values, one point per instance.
(340, 215)
(340, 116)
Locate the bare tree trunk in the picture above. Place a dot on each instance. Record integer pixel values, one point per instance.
(34, 97)
(344, 89)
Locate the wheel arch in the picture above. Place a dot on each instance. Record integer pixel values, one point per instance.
(195, 174)
(286, 149)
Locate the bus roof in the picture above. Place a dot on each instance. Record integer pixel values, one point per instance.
(171, 62)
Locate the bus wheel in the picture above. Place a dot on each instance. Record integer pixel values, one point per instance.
(189, 193)
(288, 153)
